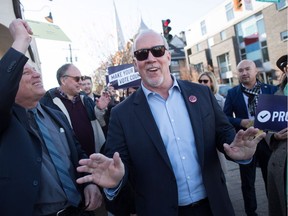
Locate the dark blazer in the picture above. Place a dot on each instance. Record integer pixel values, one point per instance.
(134, 134)
(20, 151)
(235, 103)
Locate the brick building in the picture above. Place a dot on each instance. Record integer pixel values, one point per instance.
(222, 38)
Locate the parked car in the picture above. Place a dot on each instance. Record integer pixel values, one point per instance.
(223, 89)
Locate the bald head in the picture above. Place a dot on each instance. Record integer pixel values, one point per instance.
(247, 73)
(147, 33)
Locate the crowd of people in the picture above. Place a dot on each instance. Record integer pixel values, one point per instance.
(161, 150)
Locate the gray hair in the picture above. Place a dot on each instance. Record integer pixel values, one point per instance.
(61, 72)
(146, 31)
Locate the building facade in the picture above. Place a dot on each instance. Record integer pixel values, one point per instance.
(10, 10)
(220, 40)
(178, 65)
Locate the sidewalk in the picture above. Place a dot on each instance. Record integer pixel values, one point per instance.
(234, 188)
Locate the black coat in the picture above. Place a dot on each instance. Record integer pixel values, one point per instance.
(20, 151)
(134, 134)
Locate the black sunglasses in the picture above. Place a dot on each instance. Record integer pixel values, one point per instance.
(142, 54)
(75, 78)
(204, 81)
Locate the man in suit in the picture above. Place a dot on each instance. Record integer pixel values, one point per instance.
(31, 182)
(167, 133)
(240, 107)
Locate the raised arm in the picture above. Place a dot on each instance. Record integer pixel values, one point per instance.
(11, 68)
(21, 33)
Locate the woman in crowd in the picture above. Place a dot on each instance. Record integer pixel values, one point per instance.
(208, 78)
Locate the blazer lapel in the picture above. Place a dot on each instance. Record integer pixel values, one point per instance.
(240, 96)
(145, 116)
(194, 111)
(21, 115)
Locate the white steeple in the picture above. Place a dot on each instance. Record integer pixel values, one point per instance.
(120, 37)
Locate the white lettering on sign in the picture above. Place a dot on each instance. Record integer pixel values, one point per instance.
(279, 116)
(129, 78)
(121, 74)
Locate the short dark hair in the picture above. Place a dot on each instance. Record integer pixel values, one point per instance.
(86, 77)
(61, 72)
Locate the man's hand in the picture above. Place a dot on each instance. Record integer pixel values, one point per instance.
(21, 33)
(244, 144)
(93, 197)
(281, 135)
(105, 172)
(246, 123)
(103, 101)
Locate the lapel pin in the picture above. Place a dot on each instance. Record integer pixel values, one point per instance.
(192, 98)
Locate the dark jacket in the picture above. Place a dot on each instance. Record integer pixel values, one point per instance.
(235, 103)
(52, 100)
(20, 151)
(277, 168)
(133, 132)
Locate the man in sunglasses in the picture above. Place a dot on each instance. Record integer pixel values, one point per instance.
(166, 134)
(81, 111)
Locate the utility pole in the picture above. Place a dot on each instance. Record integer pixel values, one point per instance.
(70, 58)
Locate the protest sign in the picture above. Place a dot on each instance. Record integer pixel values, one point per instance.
(123, 76)
(271, 112)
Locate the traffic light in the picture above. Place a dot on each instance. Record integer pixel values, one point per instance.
(238, 5)
(167, 29)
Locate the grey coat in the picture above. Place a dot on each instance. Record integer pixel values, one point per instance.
(276, 175)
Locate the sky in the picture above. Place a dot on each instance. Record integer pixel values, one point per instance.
(91, 27)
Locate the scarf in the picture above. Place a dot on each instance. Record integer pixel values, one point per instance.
(253, 95)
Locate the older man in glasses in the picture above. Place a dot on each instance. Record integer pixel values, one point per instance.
(81, 111)
(166, 134)
(34, 180)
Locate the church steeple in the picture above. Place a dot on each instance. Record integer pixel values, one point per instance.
(120, 37)
(142, 26)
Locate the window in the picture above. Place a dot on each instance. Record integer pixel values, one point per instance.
(243, 53)
(203, 27)
(199, 67)
(224, 63)
(262, 39)
(174, 63)
(284, 35)
(210, 42)
(189, 51)
(223, 35)
(176, 74)
(229, 11)
(282, 4)
(252, 39)
(198, 47)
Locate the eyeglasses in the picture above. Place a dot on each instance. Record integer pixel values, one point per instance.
(204, 81)
(75, 78)
(157, 51)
